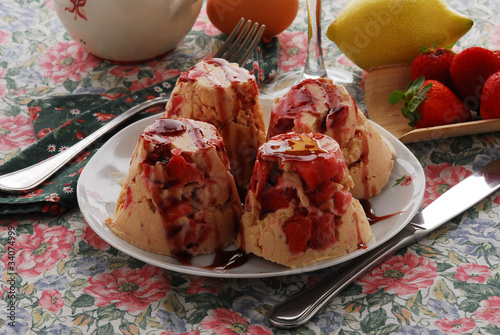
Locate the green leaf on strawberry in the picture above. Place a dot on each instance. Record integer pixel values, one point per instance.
(415, 93)
(429, 103)
(423, 49)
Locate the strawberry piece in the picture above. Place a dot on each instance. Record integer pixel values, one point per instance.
(433, 64)
(490, 98)
(160, 153)
(197, 233)
(275, 198)
(469, 71)
(342, 202)
(298, 232)
(176, 211)
(323, 232)
(181, 171)
(324, 192)
(330, 168)
(260, 175)
(429, 103)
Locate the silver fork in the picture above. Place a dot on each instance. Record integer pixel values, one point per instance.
(241, 42)
(237, 48)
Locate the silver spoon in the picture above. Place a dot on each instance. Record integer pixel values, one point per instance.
(30, 177)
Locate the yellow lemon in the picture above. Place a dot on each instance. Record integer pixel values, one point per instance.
(377, 32)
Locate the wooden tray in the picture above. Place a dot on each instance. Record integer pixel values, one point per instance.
(379, 84)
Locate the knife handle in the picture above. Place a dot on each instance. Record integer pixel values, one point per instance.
(301, 307)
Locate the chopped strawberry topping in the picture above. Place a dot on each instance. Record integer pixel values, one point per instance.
(262, 169)
(308, 171)
(298, 232)
(198, 232)
(342, 201)
(160, 153)
(275, 198)
(181, 171)
(323, 232)
(324, 192)
(175, 108)
(176, 211)
(128, 197)
(309, 231)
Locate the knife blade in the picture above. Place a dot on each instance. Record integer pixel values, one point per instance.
(301, 307)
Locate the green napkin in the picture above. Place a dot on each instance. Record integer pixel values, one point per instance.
(61, 121)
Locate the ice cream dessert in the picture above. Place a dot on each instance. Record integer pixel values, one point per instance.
(226, 96)
(319, 105)
(298, 209)
(178, 198)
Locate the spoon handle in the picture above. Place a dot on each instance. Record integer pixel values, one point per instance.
(30, 177)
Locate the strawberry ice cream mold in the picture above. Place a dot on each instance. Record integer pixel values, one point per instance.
(299, 209)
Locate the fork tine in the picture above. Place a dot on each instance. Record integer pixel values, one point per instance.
(244, 44)
(230, 39)
(252, 44)
(241, 42)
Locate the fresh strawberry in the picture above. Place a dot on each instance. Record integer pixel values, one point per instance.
(469, 71)
(433, 64)
(490, 98)
(429, 103)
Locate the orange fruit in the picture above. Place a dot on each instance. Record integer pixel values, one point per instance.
(277, 15)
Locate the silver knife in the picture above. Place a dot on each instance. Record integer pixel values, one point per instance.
(301, 307)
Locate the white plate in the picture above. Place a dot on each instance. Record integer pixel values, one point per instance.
(98, 190)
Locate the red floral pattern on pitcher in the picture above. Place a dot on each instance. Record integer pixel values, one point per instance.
(78, 9)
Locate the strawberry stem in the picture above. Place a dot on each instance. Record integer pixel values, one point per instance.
(413, 96)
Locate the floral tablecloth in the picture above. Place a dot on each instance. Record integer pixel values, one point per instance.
(59, 277)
